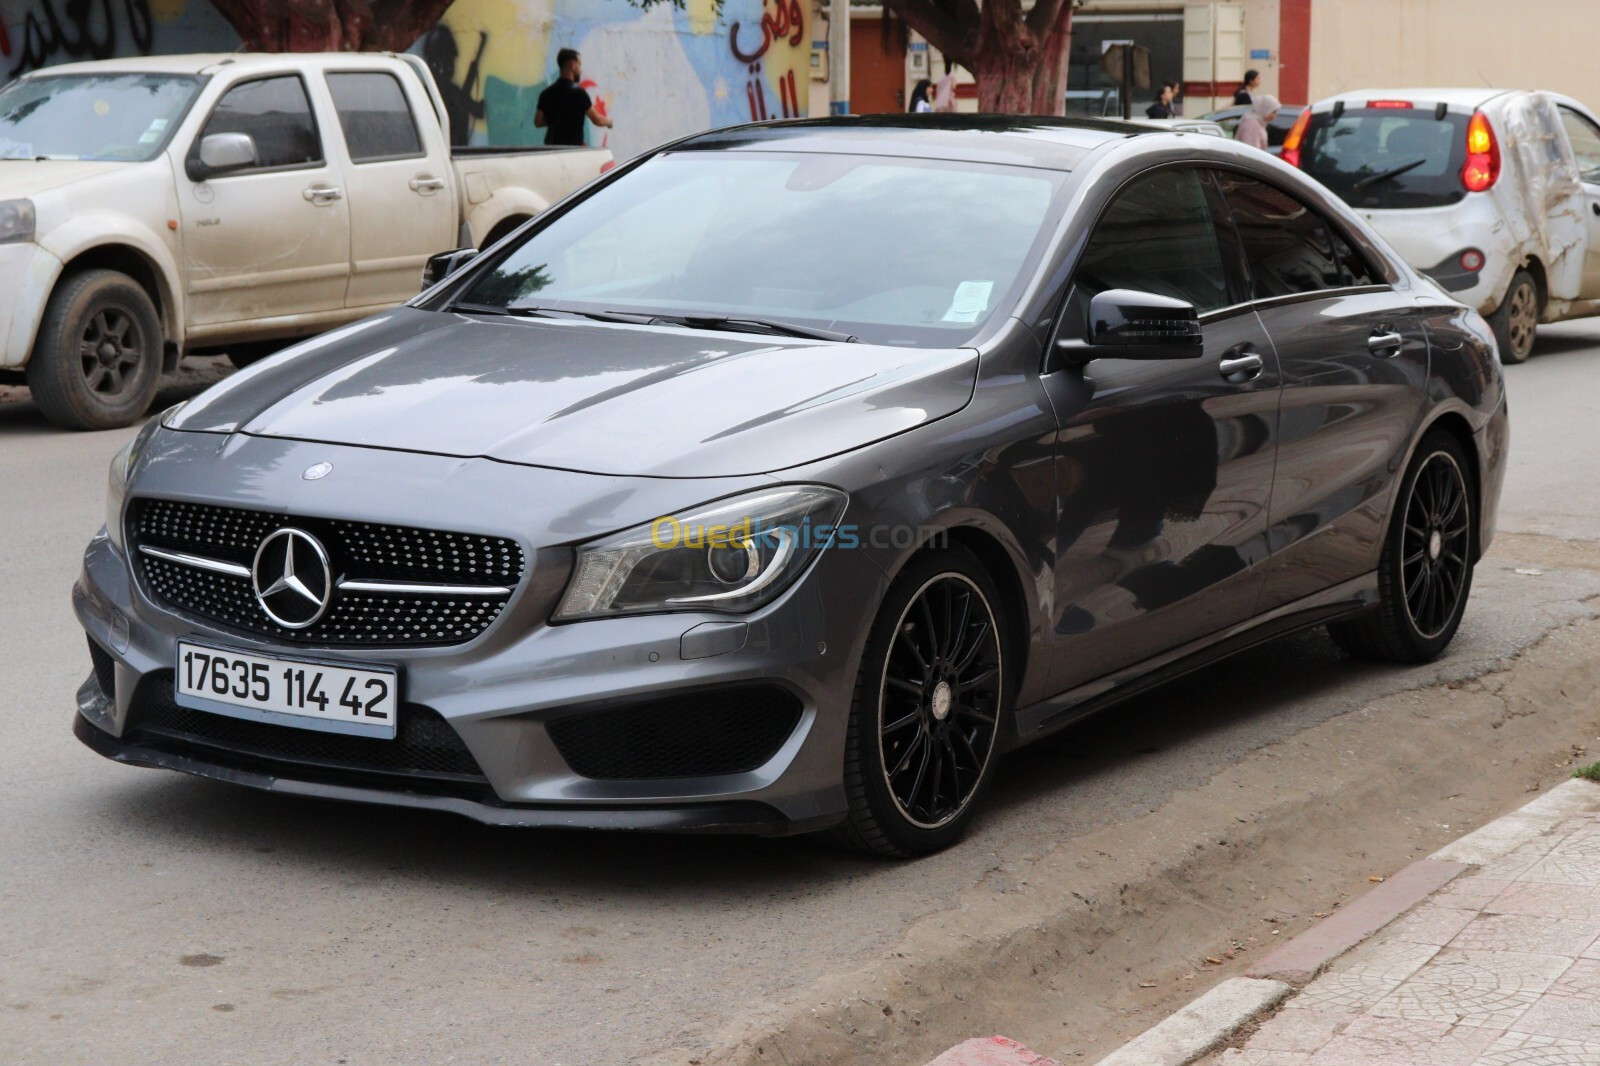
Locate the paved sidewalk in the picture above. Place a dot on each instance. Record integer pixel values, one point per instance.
(1499, 967)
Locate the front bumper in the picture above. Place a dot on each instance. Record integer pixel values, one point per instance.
(501, 692)
(27, 274)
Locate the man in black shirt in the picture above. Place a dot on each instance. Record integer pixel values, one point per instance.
(564, 104)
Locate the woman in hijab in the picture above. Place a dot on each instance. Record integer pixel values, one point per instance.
(1252, 128)
(920, 104)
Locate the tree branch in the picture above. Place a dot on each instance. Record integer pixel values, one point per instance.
(1043, 16)
(955, 37)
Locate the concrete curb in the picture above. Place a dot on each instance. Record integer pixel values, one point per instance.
(1203, 1025)
(1211, 1020)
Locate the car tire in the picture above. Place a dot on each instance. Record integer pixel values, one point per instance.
(1425, 571)
(932, 698)
(97, 360)
(1517, 319)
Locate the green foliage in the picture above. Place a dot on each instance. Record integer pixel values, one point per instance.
(1589, 773)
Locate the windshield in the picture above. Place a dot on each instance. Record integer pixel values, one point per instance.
(1421, 154)
(125, 117)
(894, 251)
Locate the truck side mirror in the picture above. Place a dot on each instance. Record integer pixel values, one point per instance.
(221, 152)
(440, 266)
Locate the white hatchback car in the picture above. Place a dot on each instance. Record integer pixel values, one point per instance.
(1493, 194)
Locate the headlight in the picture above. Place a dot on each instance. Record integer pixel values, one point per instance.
(16, 221)
(122, 465)
(733, 555)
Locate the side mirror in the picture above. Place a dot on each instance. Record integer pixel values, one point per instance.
(221, 152)
(441, 266)
(1128, 324)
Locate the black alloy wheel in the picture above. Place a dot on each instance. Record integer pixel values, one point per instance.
(929, 707)
(1425, 573)
(97, 360)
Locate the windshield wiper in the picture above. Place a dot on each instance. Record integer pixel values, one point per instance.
(1387, 174)
(773, 326)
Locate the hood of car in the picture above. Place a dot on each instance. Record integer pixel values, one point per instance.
(29, 177)
(587, 396)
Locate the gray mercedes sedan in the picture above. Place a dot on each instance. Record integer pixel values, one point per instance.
(784, 478)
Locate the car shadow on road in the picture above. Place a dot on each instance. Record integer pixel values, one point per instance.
(19, 416)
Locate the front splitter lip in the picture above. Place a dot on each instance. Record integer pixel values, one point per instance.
(741, 817)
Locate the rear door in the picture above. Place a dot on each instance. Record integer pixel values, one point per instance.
(1584, 136)
(402, 206)
(273, 238)
(1165, 466)
(1353, 356)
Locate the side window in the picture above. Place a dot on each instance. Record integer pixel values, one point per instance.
(1353, 266)
(277, 115)
(1157, 236)
(1287, 246)
(374, 116)
(1585, 138)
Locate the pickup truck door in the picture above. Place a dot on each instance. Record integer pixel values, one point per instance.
(403, 207)
(1584, 136)
(271, 238)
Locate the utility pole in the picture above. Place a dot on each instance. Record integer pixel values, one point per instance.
(838, 57)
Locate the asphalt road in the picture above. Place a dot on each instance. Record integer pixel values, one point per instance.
(148, 917)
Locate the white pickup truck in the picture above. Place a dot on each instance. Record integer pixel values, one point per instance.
(159, 205)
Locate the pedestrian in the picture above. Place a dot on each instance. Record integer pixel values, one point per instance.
(1175, 103)
(564, 104)
(944, 90)
(920, 104)
(1252, 128)
(1247, 92)
(1162, 107)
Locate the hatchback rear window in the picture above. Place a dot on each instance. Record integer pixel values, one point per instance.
(1388, 157)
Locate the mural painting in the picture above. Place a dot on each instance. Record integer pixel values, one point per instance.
(658, 74)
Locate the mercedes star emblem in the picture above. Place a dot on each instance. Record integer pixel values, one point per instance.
(317, 471)
(292, 578)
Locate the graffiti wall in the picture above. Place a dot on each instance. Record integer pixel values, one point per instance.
(38, 33)
(656, 74)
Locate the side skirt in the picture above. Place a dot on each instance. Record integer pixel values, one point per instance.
(1057, 712)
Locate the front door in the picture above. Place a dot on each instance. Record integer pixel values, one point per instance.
(273, 238)
(1165, 466)
(1584, 136)
(1354, 358)
(402, 206)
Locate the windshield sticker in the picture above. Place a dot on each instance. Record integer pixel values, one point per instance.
(15, 149)
(970, 301)
(149, 136)
(157, 125)
(102, 108)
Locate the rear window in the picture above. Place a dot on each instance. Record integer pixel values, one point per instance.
(1388, 157)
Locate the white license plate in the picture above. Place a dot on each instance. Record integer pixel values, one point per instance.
(295, 692)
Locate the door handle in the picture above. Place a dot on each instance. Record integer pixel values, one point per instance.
(426, 183)
(323, 194)
(1240, 365)
(1385, 344)
(1595, 207)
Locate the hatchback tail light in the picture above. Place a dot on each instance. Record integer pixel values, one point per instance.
(1291, 143)
(1482, 168)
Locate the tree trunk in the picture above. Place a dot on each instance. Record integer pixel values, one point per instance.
(330, 25)
(1019, 60)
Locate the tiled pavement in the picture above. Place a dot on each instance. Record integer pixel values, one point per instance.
(1499, 968)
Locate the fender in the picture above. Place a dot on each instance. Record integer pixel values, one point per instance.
(102, 230)
(505, 203)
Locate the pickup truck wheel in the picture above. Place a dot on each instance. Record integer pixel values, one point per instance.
(1517, 319)
(97, 359)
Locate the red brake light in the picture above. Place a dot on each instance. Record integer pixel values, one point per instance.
(1482, 168)
(1291, 143)
(1387, 105)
